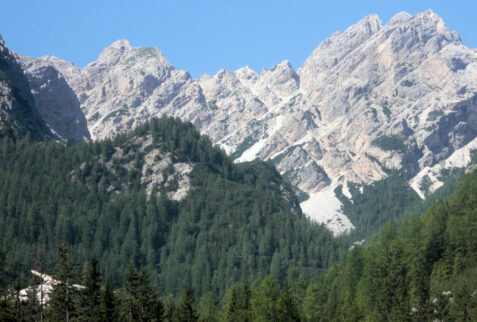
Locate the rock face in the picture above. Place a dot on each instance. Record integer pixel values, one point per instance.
(55, 100)
(371, 98)
(127, 86)
(17, 108)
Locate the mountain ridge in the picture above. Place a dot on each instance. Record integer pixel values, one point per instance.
(371, 98)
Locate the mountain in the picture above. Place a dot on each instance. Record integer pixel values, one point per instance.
(55, 101)
(18, 114)
(368, 100)
(161, 198)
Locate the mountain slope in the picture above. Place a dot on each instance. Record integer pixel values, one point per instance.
(55, 101)
(224, 222)
(425, 270)
(17, 109)
(372, 98)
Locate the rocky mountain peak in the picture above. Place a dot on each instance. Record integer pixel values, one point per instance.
(368, 25)
(400, 18)
(111, 54)
(282, 78)
(2, 42)
(246, 73)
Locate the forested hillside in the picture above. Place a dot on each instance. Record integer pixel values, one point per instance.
(237, 222)
(423, 271)
(390, 199)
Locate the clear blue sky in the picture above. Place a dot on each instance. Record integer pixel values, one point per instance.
(203, 36)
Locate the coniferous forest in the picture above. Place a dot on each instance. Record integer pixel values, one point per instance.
(237, 248)
(237, 223)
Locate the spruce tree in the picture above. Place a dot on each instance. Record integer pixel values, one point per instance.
(207, 310)
(63, 294)
(287, 309)
(238, 306)
(90, 295)
(33, 309)
(108, 305)
(5, 304)
(186, 309)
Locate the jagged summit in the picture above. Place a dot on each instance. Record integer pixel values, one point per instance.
(112, 54)
(400, 18)
(369, 24)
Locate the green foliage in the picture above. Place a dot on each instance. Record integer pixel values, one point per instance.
(212, 104)
(433, 115)
(256, 99)
(426, 183)
(378, 203)
(120, 112)
(108, 305)
(235, 221)
(244, 146)
(287, 308)
(90, 297)
(411, 273)
(186, 309)
(391, 143)
(292, 101)
(279, 158)
(139, 301)
(238, 307)
(95, 117)
(386, 111)
(61, 304)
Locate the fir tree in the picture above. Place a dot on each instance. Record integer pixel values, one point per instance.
(63, 294)
(90, 296)
(108, 305)
(287, 309)
(186, 308)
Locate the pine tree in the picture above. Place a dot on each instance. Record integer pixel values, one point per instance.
(238, 306)
(461, 305)
(313, 302)
(264, 300)
(419, 289)
(5, 304)
(186, 310)
(207, 311)
(129, 306)
(90, 296)
(147, 300)
(63, 294)
(287, 309)
(108, 305)
(32, 305)
(18, 311)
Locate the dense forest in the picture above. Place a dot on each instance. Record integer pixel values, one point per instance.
(239, 222)
(391, 199)
(423, 271)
